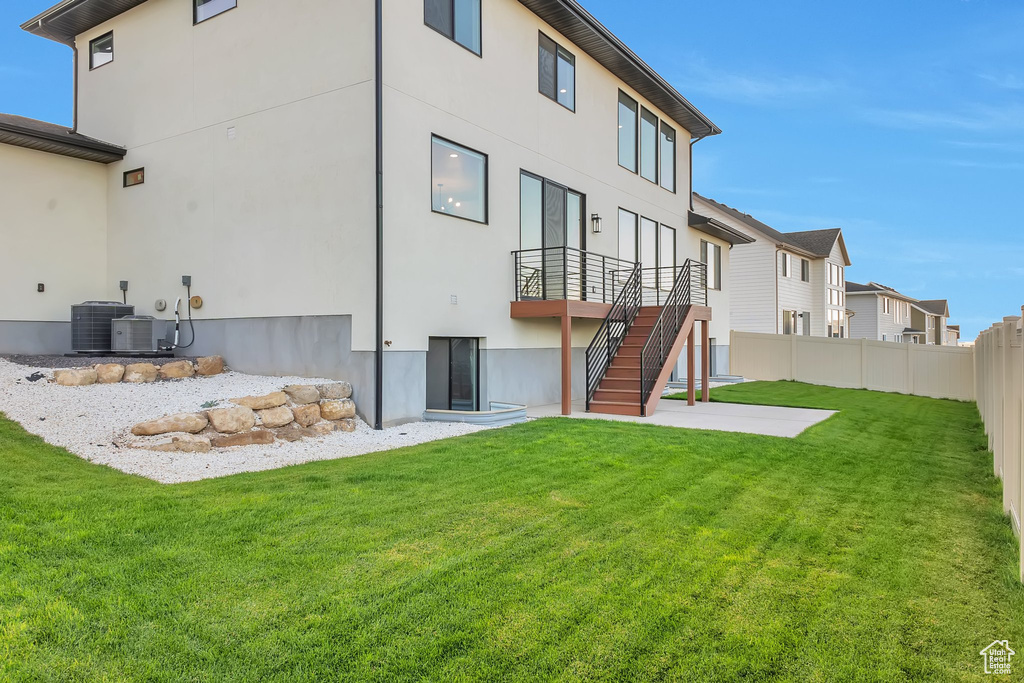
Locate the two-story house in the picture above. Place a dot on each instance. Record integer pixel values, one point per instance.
(438, 201)
(784, 282)
(881, 313)
(929, 317)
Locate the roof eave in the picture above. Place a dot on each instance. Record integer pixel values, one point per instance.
(571, 20)
(716, 228)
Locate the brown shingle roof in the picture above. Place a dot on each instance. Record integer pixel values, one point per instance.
(50, 137)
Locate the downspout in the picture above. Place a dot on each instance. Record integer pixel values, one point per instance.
(775, 278)
(74, 103)
(378, 359)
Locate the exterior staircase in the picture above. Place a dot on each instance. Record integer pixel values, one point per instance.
(634, 352)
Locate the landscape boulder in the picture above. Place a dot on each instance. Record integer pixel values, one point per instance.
(210, 365)
(335, 390)
(294, 433)
(139, 373)
(257, 437)
(185, 443)
(77, 377)
(278, 398)
(301, 394)
(338, 410)
(276, 417)
(109, 373)
(232, 420)
(345, 426)
(182, 422)
(307, 415)
(179, 369)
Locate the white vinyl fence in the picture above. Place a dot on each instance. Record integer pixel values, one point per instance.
(999, 359)
(934, 371)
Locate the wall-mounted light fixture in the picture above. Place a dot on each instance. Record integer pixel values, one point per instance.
(595, 221)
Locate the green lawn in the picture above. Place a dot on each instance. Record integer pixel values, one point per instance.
(873, 547)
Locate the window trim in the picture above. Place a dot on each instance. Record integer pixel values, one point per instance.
(657, 144)
(108, 34)
(805, 270)
(713, 279)
(195, 13)
(480, 29)
(558, 48)
(636, 133)
(487, 180)
(675, 157)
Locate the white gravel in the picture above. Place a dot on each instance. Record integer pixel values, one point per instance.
(87, 421)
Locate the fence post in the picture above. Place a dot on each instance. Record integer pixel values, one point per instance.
(792, 356)
(1020, 457)
(863, 363)
(910, 370)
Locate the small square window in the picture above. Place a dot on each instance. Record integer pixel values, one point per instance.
(101, 50)
(205, 9)
(136, 177)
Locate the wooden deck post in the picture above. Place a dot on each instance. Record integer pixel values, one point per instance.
(705, 361)
(566, 365)
(691, 371)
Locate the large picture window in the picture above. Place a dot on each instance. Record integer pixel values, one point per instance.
(557, 73)
(458, 180)
(458, 20)
(668, 157)
(204, 9)
(627, 131)
(101, 50)
(648, 145)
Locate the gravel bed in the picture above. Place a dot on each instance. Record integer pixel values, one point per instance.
(83, 361)
(87, 421)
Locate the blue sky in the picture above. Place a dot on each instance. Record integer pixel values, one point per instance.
(901, 121)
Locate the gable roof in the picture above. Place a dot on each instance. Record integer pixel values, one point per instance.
(813, 243)
(70, 18)
(938, 307)
(876, 288)
(49, 137)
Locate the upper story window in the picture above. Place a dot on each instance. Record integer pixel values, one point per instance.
(648, 145)
(805, 270)
(628, 109)
(885, 304)
(628, 235)
(711, 255)
(668, 157)
(835, 275)
(458, 20)
(557, 69)
(205, 9)
(101, 50)
(787, 265)
(458, 180)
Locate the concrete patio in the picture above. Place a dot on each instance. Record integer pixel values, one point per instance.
(722, 417)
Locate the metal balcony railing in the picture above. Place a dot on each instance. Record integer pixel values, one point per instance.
(566, 273)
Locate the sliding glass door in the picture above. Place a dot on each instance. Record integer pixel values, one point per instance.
(550, 218)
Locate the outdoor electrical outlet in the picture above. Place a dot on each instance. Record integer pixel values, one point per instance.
(124, 285)
(186, 280)
(40, 287)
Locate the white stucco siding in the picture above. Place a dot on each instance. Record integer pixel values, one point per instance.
(256, 135)
(492, 104)
(53, 229)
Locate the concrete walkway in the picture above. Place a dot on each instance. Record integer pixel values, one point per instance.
(722, 417)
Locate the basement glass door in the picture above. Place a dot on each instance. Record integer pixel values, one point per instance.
(551, 219)
(453, 373)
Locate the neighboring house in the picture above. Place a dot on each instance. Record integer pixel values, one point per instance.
(357, 199)
(783, 283)
(881, 313)
(952, 335)
(931, 316)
